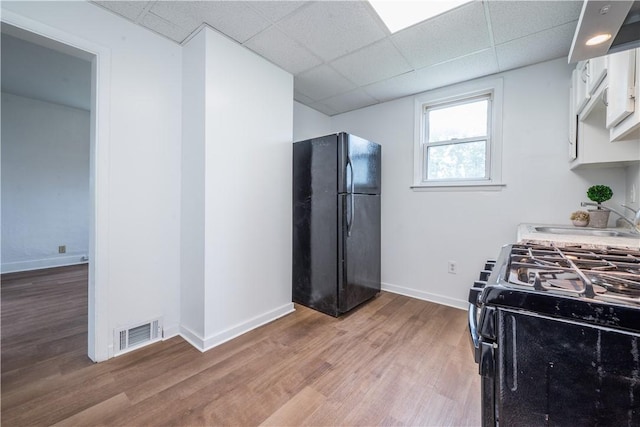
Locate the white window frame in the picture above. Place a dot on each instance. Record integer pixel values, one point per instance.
(465, 92)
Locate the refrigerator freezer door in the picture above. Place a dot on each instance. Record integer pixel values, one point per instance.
(359, 253)
(359, 165)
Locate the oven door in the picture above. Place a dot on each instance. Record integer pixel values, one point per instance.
(483, 353)
(557, 372)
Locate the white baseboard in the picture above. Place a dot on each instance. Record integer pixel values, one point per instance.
(39, 264)
(204, 344)
(192, 338)
(170, 331)
(426, 296)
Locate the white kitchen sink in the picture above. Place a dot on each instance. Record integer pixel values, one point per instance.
(584, 231)
(563, 235)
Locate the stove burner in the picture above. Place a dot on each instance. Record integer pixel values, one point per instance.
(612, 274)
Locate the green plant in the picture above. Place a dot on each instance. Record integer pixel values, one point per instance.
(580, 216)
(599, 193)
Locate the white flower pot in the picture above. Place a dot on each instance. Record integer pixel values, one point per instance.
(598, 218)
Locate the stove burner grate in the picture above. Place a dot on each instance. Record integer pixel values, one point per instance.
(611, 274)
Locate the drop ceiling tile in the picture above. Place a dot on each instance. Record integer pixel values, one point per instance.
(469, 67)
(539, 47)
(395, 87)
(330, 29)
(349, 101)
(302, 98)
(458, 70)
(129, 9)
(161, 26)
(181, 14)
(233, 18)
(373, 63)
(275, 10)
(319, 106)
(456, 33)
(321, 82)
(282, 51)
(514, 19)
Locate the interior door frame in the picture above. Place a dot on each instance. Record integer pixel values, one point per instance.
(98, 339)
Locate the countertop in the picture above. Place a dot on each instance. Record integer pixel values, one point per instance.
(528, 233)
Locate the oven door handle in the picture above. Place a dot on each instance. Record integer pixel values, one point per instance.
(473, 331)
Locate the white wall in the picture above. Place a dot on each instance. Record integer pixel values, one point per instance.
(246, 180)
(39, 72)
(422, 231)
(633, 187)
(137, 165)
(45, 184)
(309, 123)
(192, 215)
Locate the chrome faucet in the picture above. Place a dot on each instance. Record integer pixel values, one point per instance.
(635, 223)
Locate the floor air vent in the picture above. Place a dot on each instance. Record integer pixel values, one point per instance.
(131, 338)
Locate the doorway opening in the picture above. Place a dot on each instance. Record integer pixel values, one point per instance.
(50, 161)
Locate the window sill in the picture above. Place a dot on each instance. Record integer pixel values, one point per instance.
(468, 186)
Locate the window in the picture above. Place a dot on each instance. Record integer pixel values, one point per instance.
(458, 137)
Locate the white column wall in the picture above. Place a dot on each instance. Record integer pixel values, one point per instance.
(248, 121)
(192, 190)
(248, 155)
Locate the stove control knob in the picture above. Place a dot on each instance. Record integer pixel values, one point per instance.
(484, 275)
(474, 294)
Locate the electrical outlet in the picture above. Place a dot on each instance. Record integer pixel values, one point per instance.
(452, 267)
(62, 249)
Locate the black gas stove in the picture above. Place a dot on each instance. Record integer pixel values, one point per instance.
(555, 332)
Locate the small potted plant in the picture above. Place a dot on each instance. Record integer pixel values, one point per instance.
(580, 218)
(599, 217)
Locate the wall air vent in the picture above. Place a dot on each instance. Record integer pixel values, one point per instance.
(127, 339)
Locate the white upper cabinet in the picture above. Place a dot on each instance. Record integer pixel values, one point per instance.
(628, 129)
(587, 78)
(596, 71)
(604, 123)
(620, 94)
(594, 147)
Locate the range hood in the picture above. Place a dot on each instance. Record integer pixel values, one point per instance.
(619, 19)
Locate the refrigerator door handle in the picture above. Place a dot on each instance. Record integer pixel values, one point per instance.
(352, 199)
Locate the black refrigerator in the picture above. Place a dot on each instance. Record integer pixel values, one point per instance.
(336, 222)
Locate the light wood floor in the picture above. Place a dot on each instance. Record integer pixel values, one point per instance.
(394, 361)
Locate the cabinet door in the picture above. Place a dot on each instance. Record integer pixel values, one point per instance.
(628, 130)
(573, 126)
(620, 102)
(580, 86)
(596, 71)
